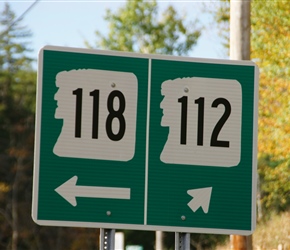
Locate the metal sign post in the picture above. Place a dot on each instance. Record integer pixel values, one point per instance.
(107, 239)
(182, 241)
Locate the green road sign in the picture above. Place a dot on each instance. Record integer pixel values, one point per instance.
(149, 142)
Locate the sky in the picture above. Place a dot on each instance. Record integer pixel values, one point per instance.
(69, 23)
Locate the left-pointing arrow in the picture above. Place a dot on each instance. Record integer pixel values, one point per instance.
(69, 191)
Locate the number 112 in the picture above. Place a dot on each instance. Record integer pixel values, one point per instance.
(214, 142)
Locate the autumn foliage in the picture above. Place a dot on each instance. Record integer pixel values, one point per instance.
(271, 51)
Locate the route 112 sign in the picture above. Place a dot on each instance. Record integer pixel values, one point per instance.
(149, 142)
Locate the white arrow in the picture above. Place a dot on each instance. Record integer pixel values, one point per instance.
(69, 191)
(201, 198)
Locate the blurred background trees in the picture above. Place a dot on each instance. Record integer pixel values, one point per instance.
(140, 27)
(271, 51)
(17, 102)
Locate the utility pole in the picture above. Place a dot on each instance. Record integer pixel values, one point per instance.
(240, 30)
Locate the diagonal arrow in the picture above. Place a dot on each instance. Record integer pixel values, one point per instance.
(69, 191)
(201, 198)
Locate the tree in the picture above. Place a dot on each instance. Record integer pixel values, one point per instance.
(271, 51)
(136, 27)
(17, 91)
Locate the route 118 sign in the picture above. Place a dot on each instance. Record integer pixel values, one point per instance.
(132, 141)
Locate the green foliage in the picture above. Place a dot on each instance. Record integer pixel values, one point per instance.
(136, 27)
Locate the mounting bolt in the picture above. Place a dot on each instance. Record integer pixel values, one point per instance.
(186, 90)
(113, 85)
(183, 217)
(108, 213)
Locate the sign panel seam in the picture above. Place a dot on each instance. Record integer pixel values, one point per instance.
(147, 142)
